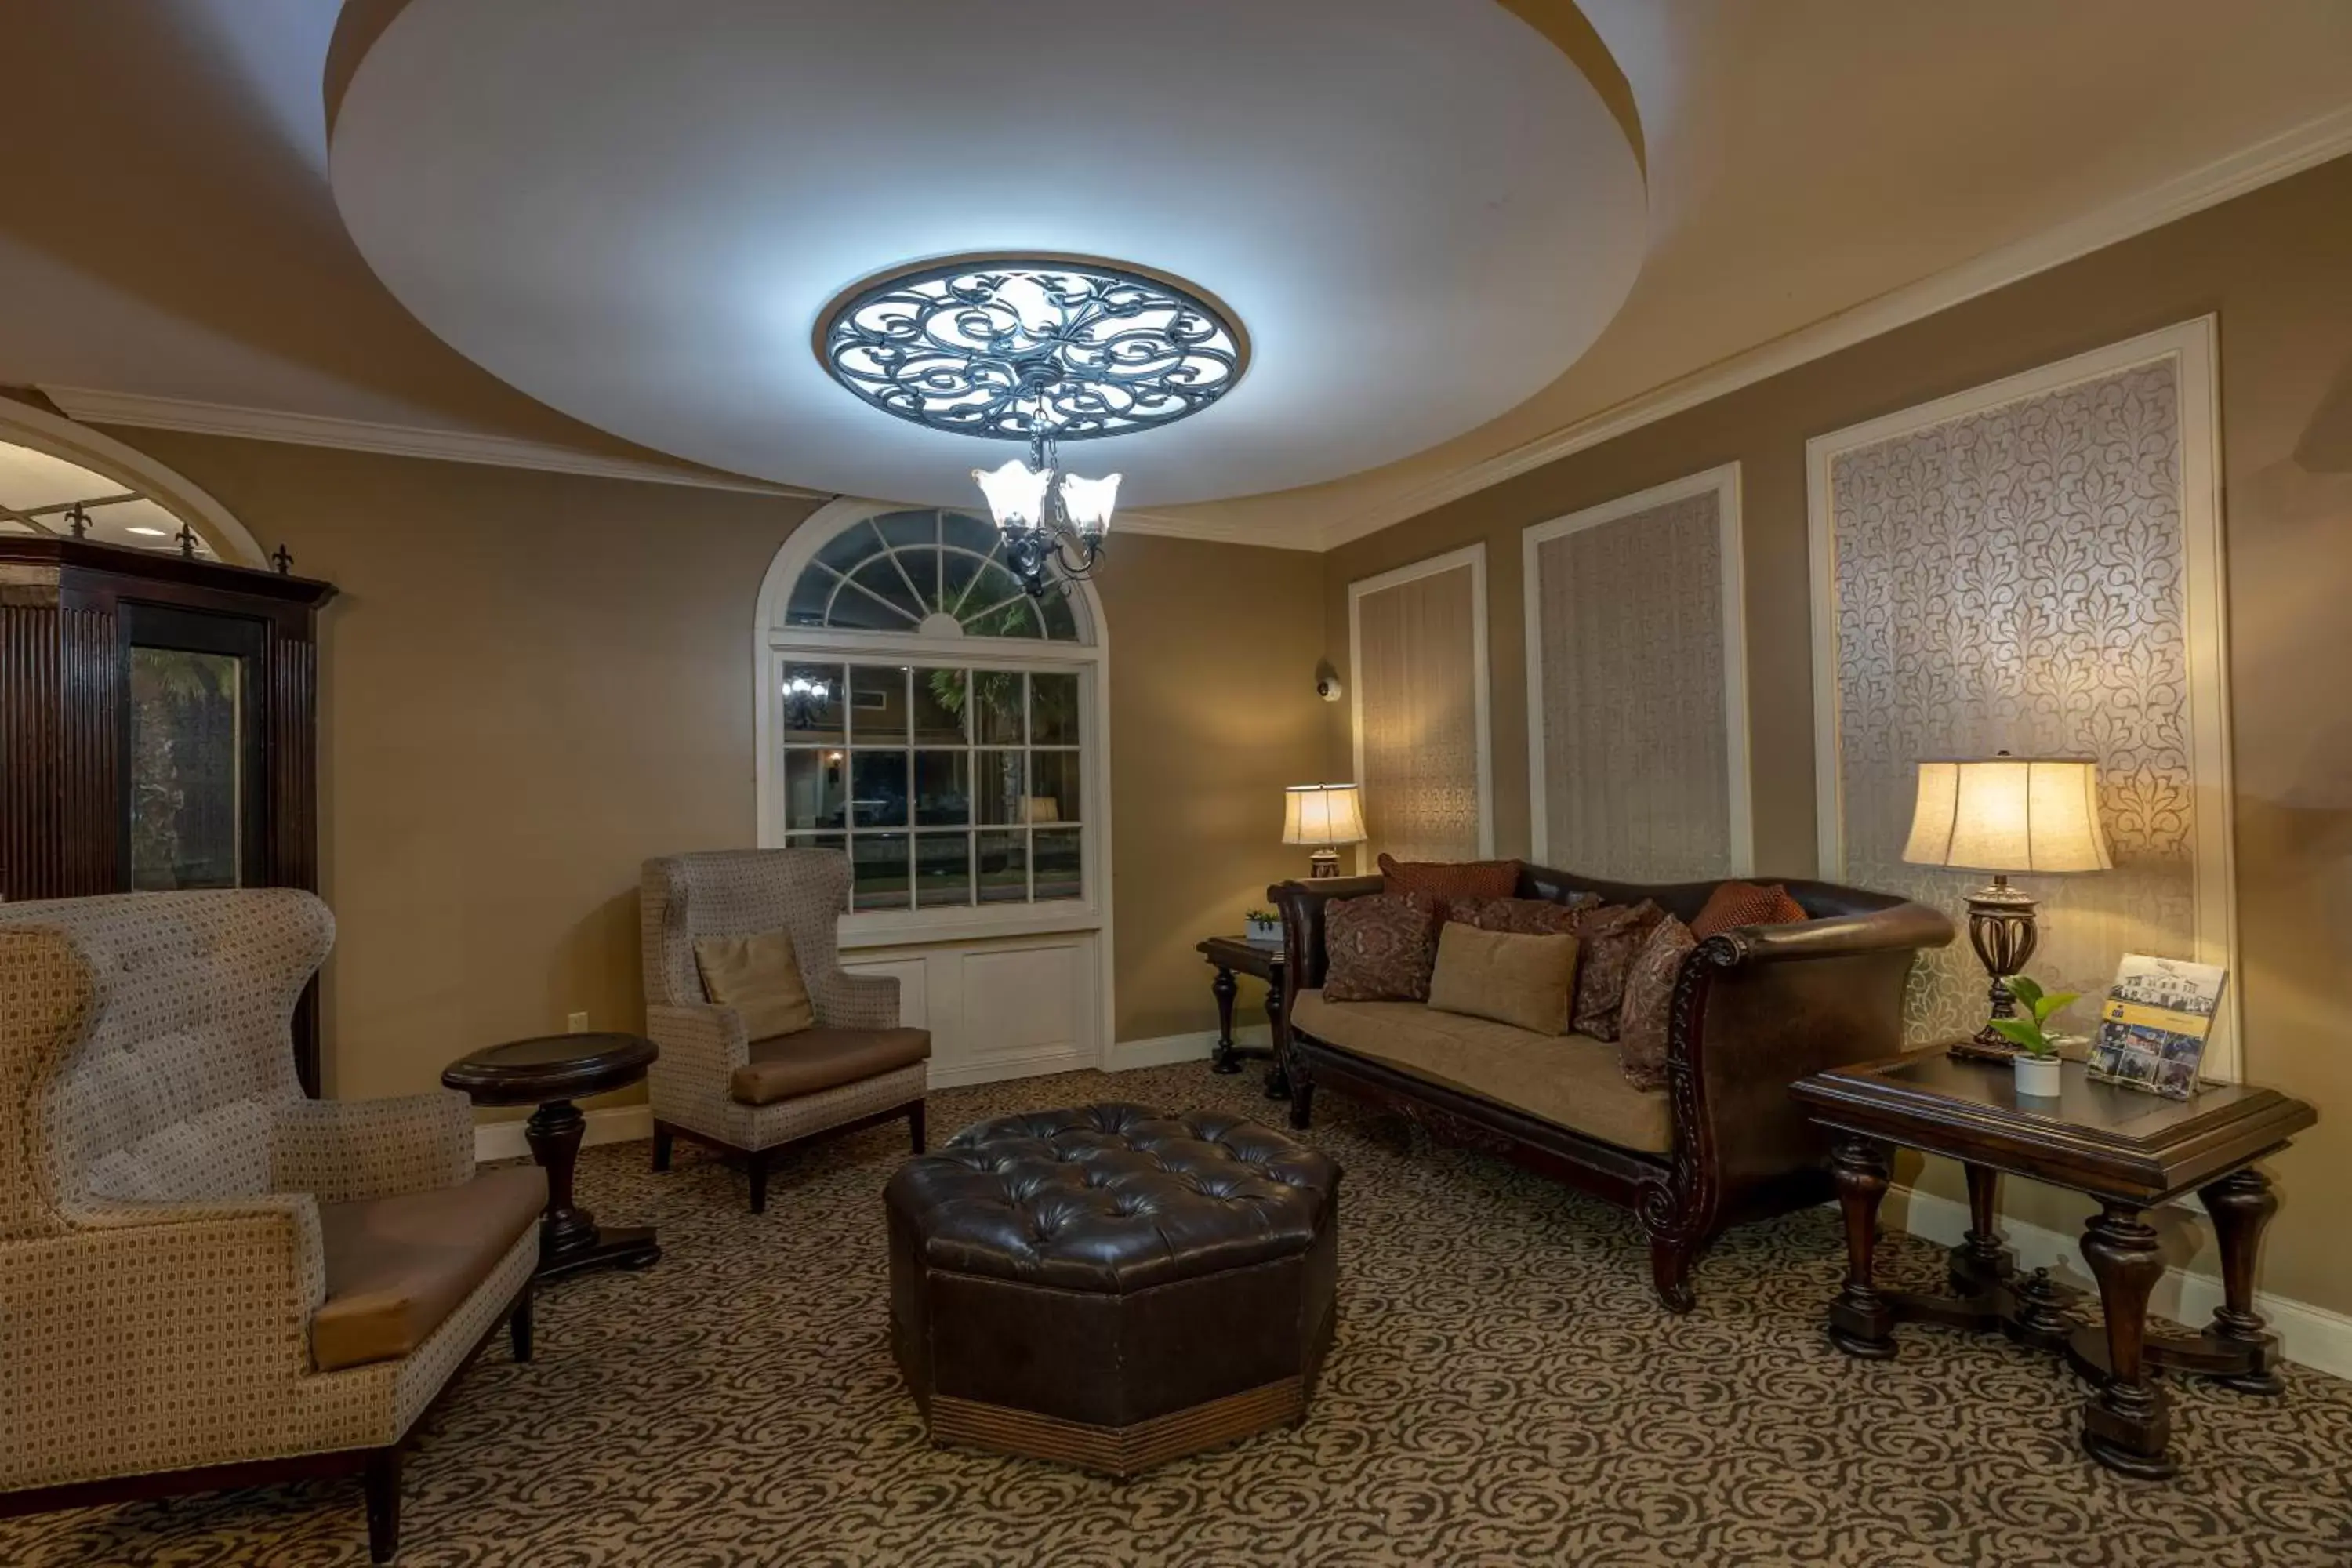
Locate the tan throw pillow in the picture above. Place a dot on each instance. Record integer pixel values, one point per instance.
(1641, 1026)
(1378, 948)
(759, 977)
(1611, 938)
(1523, 980)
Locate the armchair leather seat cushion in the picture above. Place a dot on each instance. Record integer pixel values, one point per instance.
(1571, 1080)
(786, 1066)
(398, 1267)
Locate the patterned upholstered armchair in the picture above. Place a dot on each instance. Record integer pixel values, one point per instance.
(756, 1097)
(207, 1279)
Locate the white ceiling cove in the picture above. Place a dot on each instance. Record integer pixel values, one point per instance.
(1421, 210)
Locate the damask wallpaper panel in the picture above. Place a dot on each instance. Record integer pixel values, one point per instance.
(1636, 686)
(1418, 645)
(2034, 567)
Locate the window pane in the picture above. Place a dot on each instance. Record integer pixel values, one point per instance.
(1012, 618)
(1053, 787)
(879, 862)
(1058, 868)
(884, 579)
(858, 611)
(850, 548)
(1004, 868)
(957, 571)
(997, 700)
(808, 717)
(813, 788)
(942, 870)
(877, 787)
(878, 704)
(187, 754)
(999, 787)
(1053, 710)
(810, 595)
(941, 696)
(942, 789)
(905, 527)
(966, 532)
(1061, 621)
(996, 589)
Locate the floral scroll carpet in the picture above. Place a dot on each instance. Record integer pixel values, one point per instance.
(1503, 1389)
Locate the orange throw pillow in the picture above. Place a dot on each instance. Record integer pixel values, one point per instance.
(1447, 880)
(1747, 904)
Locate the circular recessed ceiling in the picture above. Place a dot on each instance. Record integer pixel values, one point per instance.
(1421, 210)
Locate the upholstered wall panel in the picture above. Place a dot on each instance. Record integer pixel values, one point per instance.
(1637, 719)
(2022, 576)
(1420, 654)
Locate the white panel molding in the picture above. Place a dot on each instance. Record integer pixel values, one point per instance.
(1473, 556)
(143, 412)
(1196, 1047)
(1724, 484)
(2308, 1335)
(2289, 153)
(607, 1124)
(2192, 346)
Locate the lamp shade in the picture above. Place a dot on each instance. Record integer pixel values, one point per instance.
(2009, 814)
(1322, 814)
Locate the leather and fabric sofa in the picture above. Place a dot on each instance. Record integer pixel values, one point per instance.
(1755, 1008)
(714, 1082)
(206, 1279)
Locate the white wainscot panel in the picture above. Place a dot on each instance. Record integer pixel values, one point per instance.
(1002, 1009)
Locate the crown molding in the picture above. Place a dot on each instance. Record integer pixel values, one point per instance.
(2305, 146)
(138, 411)
(1213, 531)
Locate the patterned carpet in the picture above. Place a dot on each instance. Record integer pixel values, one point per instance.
(1503, 1390)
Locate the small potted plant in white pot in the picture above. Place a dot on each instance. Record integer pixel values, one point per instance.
(1264, 928)
(2036, 1062)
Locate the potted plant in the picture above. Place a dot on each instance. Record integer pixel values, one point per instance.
(2036, 1062)
(1264, 928)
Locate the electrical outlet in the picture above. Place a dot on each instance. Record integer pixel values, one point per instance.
(575, 1024)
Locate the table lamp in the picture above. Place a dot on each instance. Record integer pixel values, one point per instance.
(1325, 815)
(2004, 813)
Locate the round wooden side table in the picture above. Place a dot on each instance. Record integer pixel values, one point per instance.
(551, 1071)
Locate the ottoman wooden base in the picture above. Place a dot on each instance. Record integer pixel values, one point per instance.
(1119, 1451)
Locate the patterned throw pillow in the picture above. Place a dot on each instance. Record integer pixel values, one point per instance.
(1649, 1002)
(1447, 880)
(1609, 939)
(1747, 904)
(1520, 917)
(1379, 948)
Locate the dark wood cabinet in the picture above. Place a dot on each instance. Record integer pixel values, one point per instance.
(158, 727)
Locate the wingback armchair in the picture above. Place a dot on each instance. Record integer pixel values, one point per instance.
(755, 1098)
(207, 1279)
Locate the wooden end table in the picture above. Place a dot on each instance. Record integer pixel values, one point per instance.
(2129, 1151)
(1233, 955)
(551, 1071)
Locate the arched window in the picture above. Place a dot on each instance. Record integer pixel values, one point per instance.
(922, 714)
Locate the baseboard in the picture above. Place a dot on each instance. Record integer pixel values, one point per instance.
(611, 1124)
(1167, 1049)
(2309, 1336)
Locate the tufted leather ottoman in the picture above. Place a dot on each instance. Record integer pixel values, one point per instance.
(1110, 1286)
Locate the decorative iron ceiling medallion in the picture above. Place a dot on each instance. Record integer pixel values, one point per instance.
(1016, 347)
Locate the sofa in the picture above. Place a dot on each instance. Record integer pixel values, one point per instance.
(1754, 1008)
(206, 1278)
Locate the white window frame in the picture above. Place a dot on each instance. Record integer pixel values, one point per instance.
(775, 644)
(1474, 557)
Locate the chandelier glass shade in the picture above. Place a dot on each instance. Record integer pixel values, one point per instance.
(1042, 349)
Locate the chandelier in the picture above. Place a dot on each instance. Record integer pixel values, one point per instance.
(1039, 350)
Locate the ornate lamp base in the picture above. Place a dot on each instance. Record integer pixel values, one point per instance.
(1321, 864)
(2001, 929)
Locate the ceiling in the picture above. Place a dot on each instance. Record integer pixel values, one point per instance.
(1423, 218)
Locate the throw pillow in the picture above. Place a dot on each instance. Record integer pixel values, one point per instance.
(1379, 948)
(1649, 1004)
(1610, 939)
(1446, 881)
(759, 977)
(1526, 917)
(1747, 904)
(1523, 980)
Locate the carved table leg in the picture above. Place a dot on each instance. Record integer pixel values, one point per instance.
(1277, 1078)
(2242, 1203)
(1225, 986)
(2125, 1424)
(1980, 1259)
(569, 1239)
(1862, 1321)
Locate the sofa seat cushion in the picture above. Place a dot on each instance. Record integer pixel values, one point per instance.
(1569, 1080)
(398, 1267)
(785, 1067)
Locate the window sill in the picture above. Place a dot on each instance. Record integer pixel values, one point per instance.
(906, 928)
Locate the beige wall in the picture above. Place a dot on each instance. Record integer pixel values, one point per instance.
(2274, 265)
(532, 682)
